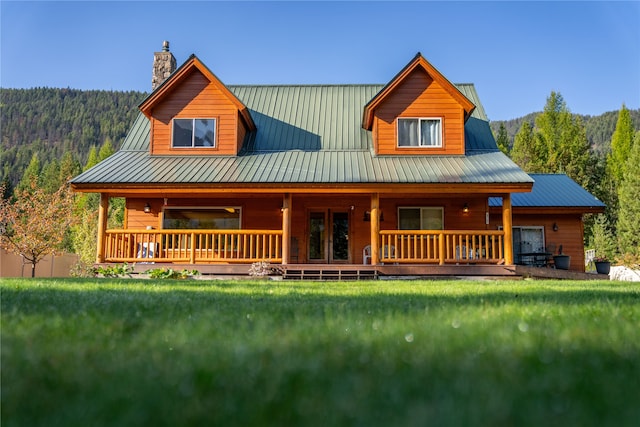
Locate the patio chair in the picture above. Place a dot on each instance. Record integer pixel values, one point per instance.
(366, 255)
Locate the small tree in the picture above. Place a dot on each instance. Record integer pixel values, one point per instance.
(629, 197)
(602, 239)
(35, 224)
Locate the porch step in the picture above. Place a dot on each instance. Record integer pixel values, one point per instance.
(329, 274)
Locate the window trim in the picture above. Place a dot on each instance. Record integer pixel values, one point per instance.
(193, 133)
(440, 121)
(441, 208)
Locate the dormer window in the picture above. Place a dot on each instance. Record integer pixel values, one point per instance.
(420, 132)
(189, 133)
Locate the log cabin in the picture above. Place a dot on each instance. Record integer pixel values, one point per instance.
(365, 179)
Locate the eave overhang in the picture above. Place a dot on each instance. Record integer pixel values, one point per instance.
(183, 190)
(417, 62)
(550, 210)
(184, 71)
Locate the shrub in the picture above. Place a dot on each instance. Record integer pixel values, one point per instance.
(118, 270)
(170, 273)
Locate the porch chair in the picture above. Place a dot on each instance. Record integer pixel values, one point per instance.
(146, 250)
(366, 255)
(463, 253)
(387, 251)
(550, 250)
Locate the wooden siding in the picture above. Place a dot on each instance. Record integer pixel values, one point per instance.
(262, 212)
(419, 96)
(197, 97)
(570, 232)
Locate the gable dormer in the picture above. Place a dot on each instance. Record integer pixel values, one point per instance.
(418, 113)
(194, 113)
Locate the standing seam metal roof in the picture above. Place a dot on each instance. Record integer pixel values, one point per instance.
(309, 134)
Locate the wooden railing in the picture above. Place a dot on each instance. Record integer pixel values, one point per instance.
(246, 246)
(193, 246)
(441, 246)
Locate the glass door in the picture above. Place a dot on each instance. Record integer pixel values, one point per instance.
(329, 236)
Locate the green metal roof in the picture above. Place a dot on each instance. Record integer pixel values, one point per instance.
(309, 134)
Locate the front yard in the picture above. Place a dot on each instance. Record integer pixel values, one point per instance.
(254, 353)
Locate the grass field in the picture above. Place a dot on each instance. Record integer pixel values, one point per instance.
(404, 353)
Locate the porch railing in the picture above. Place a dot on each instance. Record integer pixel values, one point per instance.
(245, 246)
(193, 246)
(442, 246)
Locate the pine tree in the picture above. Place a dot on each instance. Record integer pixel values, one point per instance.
(31, 174)
(92, 159)
(106, 149)
(629, 197)
(621, 142)
(523, 152)
(503, 139)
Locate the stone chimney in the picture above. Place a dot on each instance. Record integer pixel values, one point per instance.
(164, 64)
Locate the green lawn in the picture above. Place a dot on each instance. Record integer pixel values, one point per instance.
(253, 353)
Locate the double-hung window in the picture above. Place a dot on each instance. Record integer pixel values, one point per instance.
(188, 133)
(420, 132)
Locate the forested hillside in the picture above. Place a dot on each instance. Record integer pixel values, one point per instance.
(51, 122)
(599, 128)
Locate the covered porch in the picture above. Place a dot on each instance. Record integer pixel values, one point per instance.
(313, 229)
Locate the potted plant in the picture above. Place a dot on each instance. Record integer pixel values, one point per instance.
(561, 261)
(603, 265)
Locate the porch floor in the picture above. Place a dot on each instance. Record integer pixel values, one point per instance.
(346, 271)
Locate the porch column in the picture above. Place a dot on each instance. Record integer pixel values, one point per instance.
(286, 227)
(103, 211)
(375, 228)
(507, 225)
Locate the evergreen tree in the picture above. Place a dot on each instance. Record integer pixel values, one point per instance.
(629, 197)
(602, 239)
(503, 139)
(106, 149)
(31, 174)
(621, 143)
(69, 167)
(50, 176)
(92, 159)
(524, 152)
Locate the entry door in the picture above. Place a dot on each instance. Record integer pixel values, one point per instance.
(329, 236)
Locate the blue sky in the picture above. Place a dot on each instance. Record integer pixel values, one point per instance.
(515, 52)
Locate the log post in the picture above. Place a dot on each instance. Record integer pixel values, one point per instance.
(507, 225)
(286, 228)
(375, 228)
(103, 211)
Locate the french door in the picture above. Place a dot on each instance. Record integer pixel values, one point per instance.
(328, 236)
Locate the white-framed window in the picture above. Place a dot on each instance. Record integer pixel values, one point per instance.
(420, 218)
(202, 218)
(420, 132)
(527, 239)
(190, 133)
